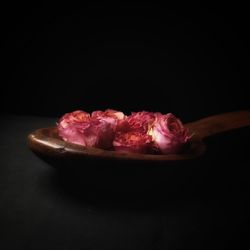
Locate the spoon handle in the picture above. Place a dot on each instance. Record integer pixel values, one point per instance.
(219, 123)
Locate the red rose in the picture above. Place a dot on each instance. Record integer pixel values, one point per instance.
(169, 134)
(133, 142)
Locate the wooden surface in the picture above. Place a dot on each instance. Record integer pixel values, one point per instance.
(46, 143)
(219, 123)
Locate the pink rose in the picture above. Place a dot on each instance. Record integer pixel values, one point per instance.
(141, 132)
(110, 116)
(118, 115)
(133, 142)
(73, 117)
(169, 134)
(70, 124)
(80, 128)
(132, 133)
(140, 121)
(116, 118)
(97, 133)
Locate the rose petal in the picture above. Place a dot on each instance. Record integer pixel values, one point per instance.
(169, 134)
(110, 116)
(133, 142)
(79, 128)
(140, 121)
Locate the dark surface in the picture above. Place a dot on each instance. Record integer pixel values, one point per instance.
(202, 206)
(187, 59)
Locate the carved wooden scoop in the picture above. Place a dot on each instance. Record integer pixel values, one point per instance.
(46, 143)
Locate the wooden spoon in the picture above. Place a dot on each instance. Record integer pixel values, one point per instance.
(46, 143)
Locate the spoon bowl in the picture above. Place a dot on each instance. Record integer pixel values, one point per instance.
(46, 143)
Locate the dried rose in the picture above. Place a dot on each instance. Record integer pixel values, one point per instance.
(169, 134)
(140, 121)
(133, 142)
(79, 128)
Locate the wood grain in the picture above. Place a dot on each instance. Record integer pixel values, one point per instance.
(46, 141)
(219, 123)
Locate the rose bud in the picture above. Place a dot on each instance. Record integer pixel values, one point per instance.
(133, 142)
(169, 134)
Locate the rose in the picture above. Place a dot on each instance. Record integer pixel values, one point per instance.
(113, 117)
(79, 128)
(141, 132)
(92, 133)
(69, 126)
(169, 134)
(97, 133)
(110, 116)
(131, 135)
(74, 117)
(140, 121)
(133, 142)
(108, 113)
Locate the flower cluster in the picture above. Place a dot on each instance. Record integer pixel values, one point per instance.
(141, 132)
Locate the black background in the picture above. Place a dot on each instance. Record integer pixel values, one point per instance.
(189, 60)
